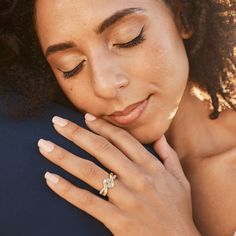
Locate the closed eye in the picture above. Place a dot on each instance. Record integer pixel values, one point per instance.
(134, 42)
(75, 71)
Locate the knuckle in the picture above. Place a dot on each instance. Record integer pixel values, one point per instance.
(85, 198)
(132, 202)
(162, 171)
(122, 133)
(75, 132)
(66, 189)
(154, 165)
(89, 169)
(103, 144)
(103, 126)
(146, 182)
(60, 156)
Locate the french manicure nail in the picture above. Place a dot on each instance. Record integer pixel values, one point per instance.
(90, 117)
(46, 145)
(59, 121)
(51, 177)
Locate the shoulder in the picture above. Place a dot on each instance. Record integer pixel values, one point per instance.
(214, 192)
(229, 158)
(229, 117)
(225, 158)
(223, 163)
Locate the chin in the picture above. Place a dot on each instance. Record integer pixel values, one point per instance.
(148, 139)
(151, 132)
(145, 137)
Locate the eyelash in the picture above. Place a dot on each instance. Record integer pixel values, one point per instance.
(134, 42)
(73, 72)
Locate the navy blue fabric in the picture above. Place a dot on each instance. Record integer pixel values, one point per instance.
(27, 206)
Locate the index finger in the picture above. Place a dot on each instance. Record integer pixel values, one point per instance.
(125, 142)
(97, 146)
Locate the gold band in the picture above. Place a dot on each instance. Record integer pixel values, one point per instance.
(107, 183)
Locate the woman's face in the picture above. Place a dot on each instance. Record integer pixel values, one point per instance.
(108, 55)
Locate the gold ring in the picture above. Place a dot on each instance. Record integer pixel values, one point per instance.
(107, 183)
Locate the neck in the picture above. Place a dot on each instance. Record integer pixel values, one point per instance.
(193, 135)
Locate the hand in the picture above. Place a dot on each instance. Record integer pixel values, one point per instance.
(149, 198)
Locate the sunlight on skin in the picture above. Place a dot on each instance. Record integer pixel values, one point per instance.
(164, 74)
(112, 76)
(172, 114)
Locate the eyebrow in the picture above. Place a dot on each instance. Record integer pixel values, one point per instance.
(107, 23)
(116, 17)
(59, 47)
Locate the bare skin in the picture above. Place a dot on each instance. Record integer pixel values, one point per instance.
(207, 151)
(149, 198)
(114, 78)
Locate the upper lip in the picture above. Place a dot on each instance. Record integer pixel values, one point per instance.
(127, 110)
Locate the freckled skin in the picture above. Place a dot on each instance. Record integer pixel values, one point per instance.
(115, 78)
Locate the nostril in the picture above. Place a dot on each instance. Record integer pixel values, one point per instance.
(122, 81)
(105, 90)
(107, 86)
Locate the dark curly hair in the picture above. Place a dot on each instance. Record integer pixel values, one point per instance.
(26, 78)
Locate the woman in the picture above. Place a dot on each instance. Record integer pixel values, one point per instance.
(140, 70)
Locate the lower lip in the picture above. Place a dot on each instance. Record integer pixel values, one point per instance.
(133, 115)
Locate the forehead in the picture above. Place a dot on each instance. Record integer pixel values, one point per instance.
(85, 8)
(58, 18)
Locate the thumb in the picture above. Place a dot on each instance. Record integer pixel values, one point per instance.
(169, 158)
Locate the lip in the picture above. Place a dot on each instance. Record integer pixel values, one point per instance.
(130, 114)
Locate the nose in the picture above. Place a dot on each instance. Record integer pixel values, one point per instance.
(108, 78)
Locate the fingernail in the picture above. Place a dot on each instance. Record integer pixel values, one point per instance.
(51, 177)
(90, 117)
(46, 145)
(234, 233)
(59, 121)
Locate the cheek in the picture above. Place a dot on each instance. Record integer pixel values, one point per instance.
(171, 65)
(162, 60)
(167, 69)
(77, 91)
(80, 93)
(173, 73)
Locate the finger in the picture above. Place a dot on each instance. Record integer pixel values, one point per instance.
(97, 146)
(97, 207)
(170, 158)
(83, 169)
(123, 140)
